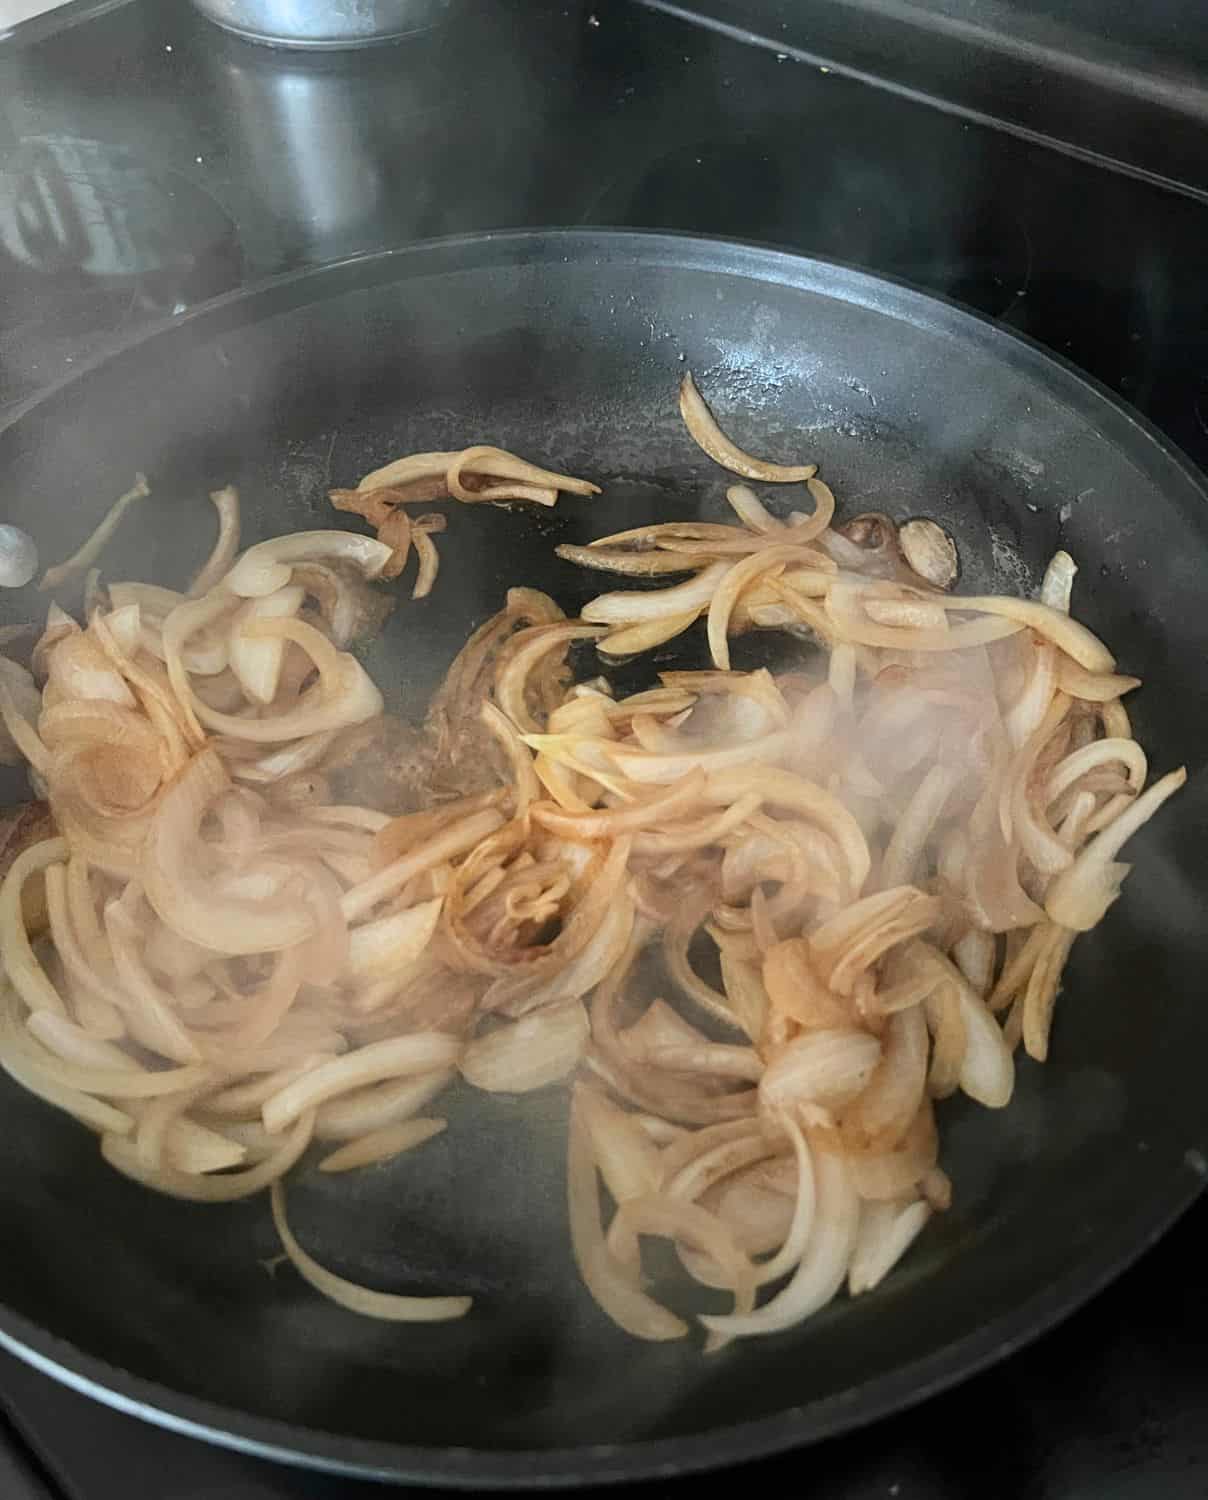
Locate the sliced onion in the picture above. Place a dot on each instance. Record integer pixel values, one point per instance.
(680, 797)
(1058, 582)
(429, 564)
(345, 696)
(702, 425)
(79, 669)
(256, 662)
(826, 1067)
(381, 1145)
(463, 835)
(671, 1097)
(227, 1187)
(1092, 687)
(1079, 897)
(25, 973)
(632, 564)
(163, 1137)
(518, 994)
(608, 1282)
(677, 1219)
(268, 566)
(906, 613)
(851, 942)
(746, 993)
(822, 1268)
(81, 560)
(805, 1206)
(975, 954)
(1027, 713)
(376, 948)
(795, 988)
(20, 705)
(75, 1045)
(759, 1216)
(226, 545)
(887, 1230)
(149, 1010)
(677, 939)
(360, 1299)
(1040, 996)
(185, 621)
(528, 1054)
(521, 656)
(729, 589)
(917, 824)
(399, 1057)
(364, 1111)
(627, 1160)
(646, 635)
(539, 961)
(751, 510)
(1020, 817)
(949, 1037)
(882, 1114)
(898, 1172)
(1072, 638)
(1100, 752)
(794, 793)
(94, 1113)
(634, 608)
(714, 1059)
(176, 887)
(660, 769)
(495, 462)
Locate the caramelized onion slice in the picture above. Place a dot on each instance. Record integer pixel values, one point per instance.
(705, 432)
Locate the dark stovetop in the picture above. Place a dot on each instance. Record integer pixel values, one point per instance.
(147, 161)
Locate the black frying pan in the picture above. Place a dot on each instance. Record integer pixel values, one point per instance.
(567, 347)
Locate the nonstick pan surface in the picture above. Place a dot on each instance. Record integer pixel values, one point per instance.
(567, 347)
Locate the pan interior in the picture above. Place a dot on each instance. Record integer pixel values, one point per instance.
(568, 351)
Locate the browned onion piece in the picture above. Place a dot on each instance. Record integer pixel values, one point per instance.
(796, 794)
(632, 564)
(680, 797)
(881, 1115)
(176, 886)
(429, 564)
(823, 1267)
(81, 560)
(796, 989)
(1080, 895)
(647, 634)
(259, 909)
(495, 462)
(537, 1050)
(609, 1283)
(825, 1067)
(630, 608)
(226, 503)
(1041, 993)
(626, 1159)
(650, 1088)
(702, 425)
(729, 589)
(519, 658)
(898, 1171)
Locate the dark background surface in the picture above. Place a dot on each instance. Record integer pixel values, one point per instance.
(147, 162)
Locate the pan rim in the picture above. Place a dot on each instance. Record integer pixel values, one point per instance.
(898, 1389)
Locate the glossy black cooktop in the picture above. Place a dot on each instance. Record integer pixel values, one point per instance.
(148, 161)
